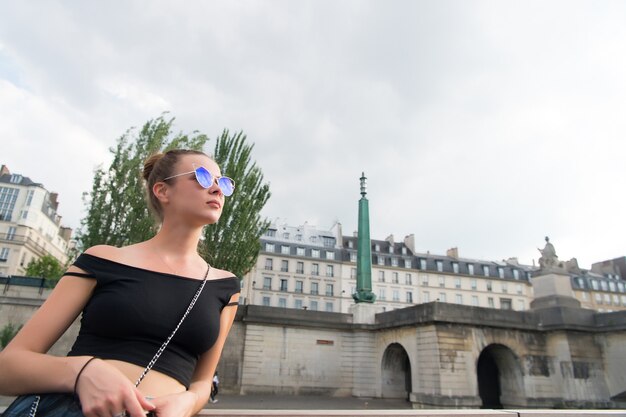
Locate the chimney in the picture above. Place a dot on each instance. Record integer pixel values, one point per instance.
(409, 242)
(389, 239)
(5, 170)
(54, 201)
(452, 252)
(65, 233)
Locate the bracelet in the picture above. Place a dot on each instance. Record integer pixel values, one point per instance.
(80, 372)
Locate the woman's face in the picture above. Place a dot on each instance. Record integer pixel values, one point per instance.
(187, 199)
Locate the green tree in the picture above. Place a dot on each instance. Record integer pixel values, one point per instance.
(117, 213)
(233, 242)
(7, 333)
(45, 267)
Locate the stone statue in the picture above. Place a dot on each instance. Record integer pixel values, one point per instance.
(548, 259)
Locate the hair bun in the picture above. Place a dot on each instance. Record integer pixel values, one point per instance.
(150, 163)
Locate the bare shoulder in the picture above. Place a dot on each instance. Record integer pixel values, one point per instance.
(220, 273)
(105, 251)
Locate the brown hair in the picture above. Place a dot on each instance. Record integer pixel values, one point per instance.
(160, 166)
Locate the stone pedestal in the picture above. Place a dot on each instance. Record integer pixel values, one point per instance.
(365, 313)
(553, 290)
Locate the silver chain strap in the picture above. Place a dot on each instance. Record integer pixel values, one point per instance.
(167, 341)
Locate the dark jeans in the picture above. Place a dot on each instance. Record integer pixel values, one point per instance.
(50, 405)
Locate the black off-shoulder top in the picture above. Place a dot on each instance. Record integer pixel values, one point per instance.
(133, 310)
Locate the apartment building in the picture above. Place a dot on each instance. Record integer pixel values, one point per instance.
(30, 226)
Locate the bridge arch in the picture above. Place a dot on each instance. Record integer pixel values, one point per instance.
(395, 372)
(500, 378)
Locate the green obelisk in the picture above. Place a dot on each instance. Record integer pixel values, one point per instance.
(364, 292)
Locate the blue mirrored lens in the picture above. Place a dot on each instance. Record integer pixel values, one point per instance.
(204, 177)
(226, 185)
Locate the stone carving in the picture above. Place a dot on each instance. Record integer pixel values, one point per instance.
(549, 261)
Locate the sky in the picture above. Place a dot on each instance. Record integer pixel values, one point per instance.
(481, 125)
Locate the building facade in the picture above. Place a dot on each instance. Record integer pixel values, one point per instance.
(30, 226)
(304, 267)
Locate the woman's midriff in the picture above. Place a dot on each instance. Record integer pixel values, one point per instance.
(155, 383)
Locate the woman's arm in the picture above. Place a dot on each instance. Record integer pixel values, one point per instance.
(190, 402)
(26, 368)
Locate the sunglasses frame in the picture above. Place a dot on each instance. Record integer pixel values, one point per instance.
(213, 179)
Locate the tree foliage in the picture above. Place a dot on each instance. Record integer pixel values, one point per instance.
(233, 242)
(118, 215)
(7, 333)
(46, 267)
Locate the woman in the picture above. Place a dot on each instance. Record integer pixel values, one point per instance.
(132, 298)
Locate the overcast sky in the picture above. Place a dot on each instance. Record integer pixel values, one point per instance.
(482, 125)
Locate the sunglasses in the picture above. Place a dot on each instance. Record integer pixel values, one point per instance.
(206, 180)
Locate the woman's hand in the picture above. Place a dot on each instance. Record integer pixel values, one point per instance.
(176, 405)
(105, 391)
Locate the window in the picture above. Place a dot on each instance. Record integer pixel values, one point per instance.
(518, 289)
(328, 242)
(300, 251)
(352, 256)
(11, 233)
(475, 300)
(23, 261)
(505, 287)
(501, 272)
(299, 286)
(486, 270)
(314, 288)
(423, 264)
(459, 298)
(426, 297)
(377, 247)
(282, 302)
(620, 286)
(409, 297)
(269, 264)
(442, 297)
(521, 305)
(267, 283)
(266, 301)
(396, 295)
(598, 298)
(489, 287)
(623, 300)
(394, 277)
(404, 250)
(585, 296)
(315, 269)
(505, 304)
(381, 276)
(457, 283)
(594, 284)
(299, 237)
(270, 233)
(604, 286)
(269, 247)
(283, 285)
(300, 268)
(330, 255)
(394, 261)
(284, 249)
(381, 260)
(470, 269)
(298, 304)
(612, 286)
(314, 305)
(490, 302)
(391, 248)
(425, 280)
(381, 294)
(329, 290)
(313, 239)
(330, 271)
(353, 273)
(4, 254)
(407, 263)
(439, 266)
(29, 197)
(284, 266)
(515, 274)
(286, 235)
(329, 307)
(408, 279)
(350, 244)
(455, 267)
(315, 253)
(473, 284)
(442, 281)
(8, 196)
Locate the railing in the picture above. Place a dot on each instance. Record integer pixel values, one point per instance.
(35, 282)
